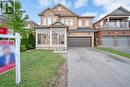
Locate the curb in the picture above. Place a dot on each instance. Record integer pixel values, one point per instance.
(116, 57)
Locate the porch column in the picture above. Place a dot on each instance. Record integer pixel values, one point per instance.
(50, 37)
(65, 37)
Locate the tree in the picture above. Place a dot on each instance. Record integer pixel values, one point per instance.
(17, 20)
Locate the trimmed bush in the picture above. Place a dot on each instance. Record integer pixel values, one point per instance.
(31, 41)
(28, 43)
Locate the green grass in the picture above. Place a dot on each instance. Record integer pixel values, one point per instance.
(115, 52)
(38, 69)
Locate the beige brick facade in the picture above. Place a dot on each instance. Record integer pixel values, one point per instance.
(78, 25)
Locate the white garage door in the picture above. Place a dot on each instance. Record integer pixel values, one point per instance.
(108, 41)
(122, 41)
(119, 42)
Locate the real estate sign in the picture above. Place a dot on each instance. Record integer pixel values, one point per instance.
(10, 52)
(7, 55)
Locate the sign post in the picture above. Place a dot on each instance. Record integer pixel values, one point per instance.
(17, 56)
(17, 53)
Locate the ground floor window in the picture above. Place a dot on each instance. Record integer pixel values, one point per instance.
(58, 36)
(44, 37)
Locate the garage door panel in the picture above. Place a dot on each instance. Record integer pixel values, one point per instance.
(108, 41)
(79, 42)
(116, 42)
(122, 41)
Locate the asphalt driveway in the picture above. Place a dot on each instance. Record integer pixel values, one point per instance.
(90, 68)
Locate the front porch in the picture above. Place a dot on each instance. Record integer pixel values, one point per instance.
(53, 37)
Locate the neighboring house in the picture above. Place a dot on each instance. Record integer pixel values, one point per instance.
(3, 21)
(31, 25)
(62, 28)
(113, 29)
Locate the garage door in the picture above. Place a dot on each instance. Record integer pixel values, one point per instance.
(122, 41)
(108, 41)
(79, 42)
(119, 42)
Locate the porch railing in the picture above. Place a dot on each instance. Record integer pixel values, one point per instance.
(117, 25)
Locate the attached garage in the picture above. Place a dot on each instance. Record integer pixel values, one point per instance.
(121, 41)
(108, 41)
(79, 41)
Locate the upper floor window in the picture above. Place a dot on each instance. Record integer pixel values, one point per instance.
(54, 20)
(49, 20)
(62, 21)
(87, 23)
(67, 21)
(71, 21)
(44, 21)
(80, 23)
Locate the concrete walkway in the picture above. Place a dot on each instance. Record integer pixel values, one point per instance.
(90, 68)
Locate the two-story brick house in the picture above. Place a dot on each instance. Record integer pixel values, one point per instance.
(60, 27)
(113, 29)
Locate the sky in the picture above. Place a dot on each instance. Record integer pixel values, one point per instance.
(97, 8)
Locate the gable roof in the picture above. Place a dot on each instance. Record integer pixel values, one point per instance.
(65, 8)
(58, 24)
(52, 9)
(120, 11)
(45, 11)
(32, 23)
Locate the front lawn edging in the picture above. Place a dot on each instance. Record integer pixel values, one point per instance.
(110, 50)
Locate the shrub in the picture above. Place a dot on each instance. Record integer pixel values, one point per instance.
(31, 41)
(24, 44)
(28, 43)
(23, 48)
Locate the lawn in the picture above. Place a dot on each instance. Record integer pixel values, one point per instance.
(115, 52)
(38, 69)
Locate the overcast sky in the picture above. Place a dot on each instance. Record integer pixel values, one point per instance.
(98, 8)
